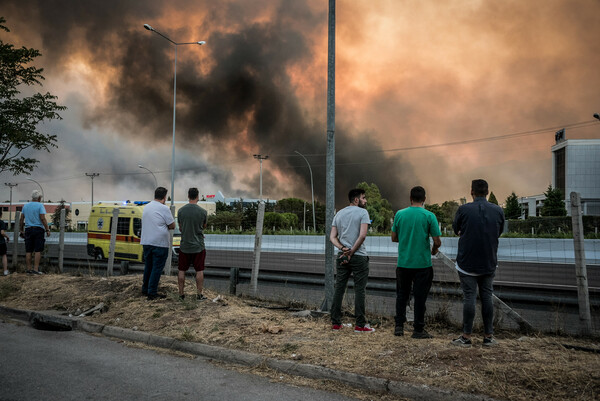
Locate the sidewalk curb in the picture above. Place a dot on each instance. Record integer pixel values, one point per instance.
(414, 392)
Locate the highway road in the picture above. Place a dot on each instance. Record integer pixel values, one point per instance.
(547, 263)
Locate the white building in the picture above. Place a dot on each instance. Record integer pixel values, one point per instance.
(576, 168)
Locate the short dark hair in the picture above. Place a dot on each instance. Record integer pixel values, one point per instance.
(479, 187)
(355, 193)
(193, 193)
(160, 193)
(417, 194)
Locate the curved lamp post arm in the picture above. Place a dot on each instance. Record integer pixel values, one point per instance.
(41, 189)
(311, 191)
(155, 181)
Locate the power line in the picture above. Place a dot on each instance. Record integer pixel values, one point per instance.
(467, 141)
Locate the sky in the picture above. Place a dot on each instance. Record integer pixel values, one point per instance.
(427, 93)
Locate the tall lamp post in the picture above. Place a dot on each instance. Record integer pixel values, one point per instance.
(260, 159)
(312, 191)
(41, 189)
(11, 186)
(155, 182)
(148, 27)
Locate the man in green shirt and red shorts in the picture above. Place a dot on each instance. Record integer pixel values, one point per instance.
(411, 229)
(192, 222)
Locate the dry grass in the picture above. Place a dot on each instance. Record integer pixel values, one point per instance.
(520, 368)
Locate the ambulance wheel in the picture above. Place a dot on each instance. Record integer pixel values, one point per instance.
(99, 254)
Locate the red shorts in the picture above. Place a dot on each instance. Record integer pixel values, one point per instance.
(194, 259)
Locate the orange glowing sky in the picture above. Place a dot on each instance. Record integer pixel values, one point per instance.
(408, 74)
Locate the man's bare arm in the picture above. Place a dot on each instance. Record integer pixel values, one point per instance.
(394, 236)
(437, 242)
(333, 237)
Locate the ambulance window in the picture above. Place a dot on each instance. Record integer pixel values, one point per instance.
(123, 225)
(137, 227)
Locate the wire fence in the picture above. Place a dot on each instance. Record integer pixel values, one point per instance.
(531, 271)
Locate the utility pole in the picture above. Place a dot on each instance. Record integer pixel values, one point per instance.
(260, 216)
(92, 175)
(10, 185)
(260, 159)
(330, 164)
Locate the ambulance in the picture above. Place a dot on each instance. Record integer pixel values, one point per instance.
(129, 231)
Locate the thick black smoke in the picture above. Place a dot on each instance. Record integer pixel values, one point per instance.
(246, 87)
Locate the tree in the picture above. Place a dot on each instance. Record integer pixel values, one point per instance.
(449, 209)
(56, 215)
(492, 198)
(512, 209)
(435, 209)
(380, 210)
(20, 117)
(554, 205)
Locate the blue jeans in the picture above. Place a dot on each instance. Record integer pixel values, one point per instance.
(469, 285)
(155, 258)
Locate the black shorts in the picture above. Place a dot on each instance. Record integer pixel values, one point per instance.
(3, 249)
(195, 259)
(34, 239)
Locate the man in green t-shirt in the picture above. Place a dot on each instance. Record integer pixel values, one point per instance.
(412, 228)
(192, 222)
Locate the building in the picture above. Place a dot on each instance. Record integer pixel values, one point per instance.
(219, 197)
(576, 168)
(80, 211)
(9, 210)
(531, 205)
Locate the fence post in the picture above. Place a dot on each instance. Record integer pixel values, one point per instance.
(113, 240)
(16, 225)
(170, 254)
(260, 217)
(583, 295)
(234, 278)
(61, 241)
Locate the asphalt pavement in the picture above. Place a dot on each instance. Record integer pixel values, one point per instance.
(71, 365)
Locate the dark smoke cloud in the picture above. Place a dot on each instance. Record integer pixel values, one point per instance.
(245, 85)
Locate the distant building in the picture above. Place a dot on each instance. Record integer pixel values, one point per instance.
(80, 211)
(9, 210)
(219, 197)
(576, 168)
(531, 205)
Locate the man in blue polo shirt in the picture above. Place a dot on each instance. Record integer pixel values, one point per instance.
(33, 225)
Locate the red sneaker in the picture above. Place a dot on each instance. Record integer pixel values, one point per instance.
(365, 329)
(336, 327)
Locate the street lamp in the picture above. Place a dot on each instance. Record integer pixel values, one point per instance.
(260, 159)
(148, 27)
(10, 185)
(155, 182)
(92, 175)
(41, 189)
(312, 192)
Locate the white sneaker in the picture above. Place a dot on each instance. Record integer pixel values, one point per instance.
(6, 272)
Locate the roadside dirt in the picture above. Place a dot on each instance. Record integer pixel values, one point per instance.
(519, 368)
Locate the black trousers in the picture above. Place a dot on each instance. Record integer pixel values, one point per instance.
(420, 281)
